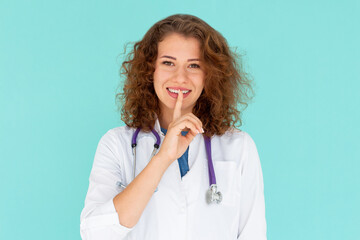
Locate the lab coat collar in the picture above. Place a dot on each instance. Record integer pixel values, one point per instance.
(157, 127)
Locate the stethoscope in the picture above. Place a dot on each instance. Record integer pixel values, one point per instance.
(212, 195)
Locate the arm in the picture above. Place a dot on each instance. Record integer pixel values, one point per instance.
(132, 201)
(252, 224)
(108, 212)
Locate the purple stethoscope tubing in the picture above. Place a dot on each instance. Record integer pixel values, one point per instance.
(212, 178)
(133, 145)
(212, 194)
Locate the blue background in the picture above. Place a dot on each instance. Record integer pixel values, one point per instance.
(59, 63)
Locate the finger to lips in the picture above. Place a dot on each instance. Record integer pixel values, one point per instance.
(177, 109)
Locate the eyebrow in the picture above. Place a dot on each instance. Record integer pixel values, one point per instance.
(191, 59)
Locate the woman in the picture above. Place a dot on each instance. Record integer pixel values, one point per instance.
(182, 82)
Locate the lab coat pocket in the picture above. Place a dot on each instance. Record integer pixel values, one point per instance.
(225, 172)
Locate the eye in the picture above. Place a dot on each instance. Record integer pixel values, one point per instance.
(167, 63)
(194, 65)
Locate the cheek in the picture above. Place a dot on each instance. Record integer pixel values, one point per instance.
(199, 81)
(158, 84)
(157, 78)
(161, 77)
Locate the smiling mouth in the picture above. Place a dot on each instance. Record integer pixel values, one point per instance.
(174, 93)
(177, 91)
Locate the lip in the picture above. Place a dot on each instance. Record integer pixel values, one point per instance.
(175, 95)
(179, 88)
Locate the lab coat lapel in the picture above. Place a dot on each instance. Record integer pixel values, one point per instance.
(196, 180)
(171, 178)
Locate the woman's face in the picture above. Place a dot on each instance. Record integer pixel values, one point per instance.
(178, 66)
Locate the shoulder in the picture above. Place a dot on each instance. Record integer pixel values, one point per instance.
(120, 131)
(234, 145)
(118, 135)
(241, 136)
(234, 135)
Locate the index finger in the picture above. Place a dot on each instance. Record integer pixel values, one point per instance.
(178, 104)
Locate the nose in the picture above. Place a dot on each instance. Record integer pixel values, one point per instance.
(181, 75)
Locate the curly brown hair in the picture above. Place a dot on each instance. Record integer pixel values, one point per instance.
(226, 84)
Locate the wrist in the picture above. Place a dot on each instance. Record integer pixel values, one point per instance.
(161, 161)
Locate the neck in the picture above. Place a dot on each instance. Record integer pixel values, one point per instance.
(166, 118)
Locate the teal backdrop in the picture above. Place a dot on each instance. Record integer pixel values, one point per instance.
(59, 70)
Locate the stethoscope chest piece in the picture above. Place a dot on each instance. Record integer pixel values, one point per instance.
(213, 195)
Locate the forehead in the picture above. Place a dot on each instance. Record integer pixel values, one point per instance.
(179, 45)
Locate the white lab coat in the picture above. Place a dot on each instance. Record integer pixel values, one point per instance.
(178, 210)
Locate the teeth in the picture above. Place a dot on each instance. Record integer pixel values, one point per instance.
(177, 91)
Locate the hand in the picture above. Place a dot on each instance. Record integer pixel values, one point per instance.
(174, 144)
